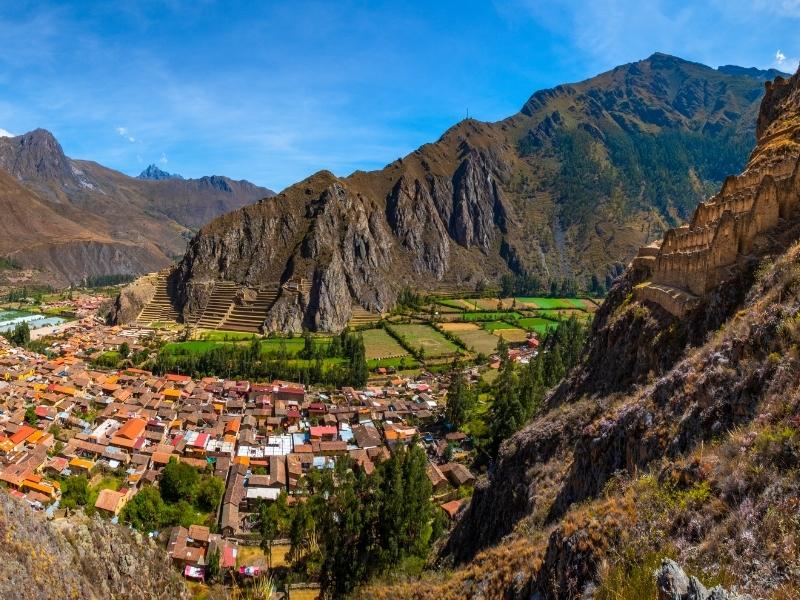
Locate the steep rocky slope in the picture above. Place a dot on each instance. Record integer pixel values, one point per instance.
(566, 189)
(677, 437)
(107, 223)
(79, 558)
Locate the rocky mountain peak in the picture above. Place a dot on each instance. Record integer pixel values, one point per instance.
(152, 172)
(35, 156)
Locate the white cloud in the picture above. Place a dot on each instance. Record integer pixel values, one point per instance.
(123, 132)
(785, 63)
(163, 160)
(4, 133)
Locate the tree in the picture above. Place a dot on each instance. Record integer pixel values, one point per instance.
(209, 493)
(268, 527)
(459, 400)
(31, 418)
(145, 511)
(74, 492)
(21, 335)
(213, 567)
(124, 350)
(178, 481)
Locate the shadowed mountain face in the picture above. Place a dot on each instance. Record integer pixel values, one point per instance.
(97, 221)
(566, 189)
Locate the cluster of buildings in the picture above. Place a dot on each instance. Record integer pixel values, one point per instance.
(60, 417)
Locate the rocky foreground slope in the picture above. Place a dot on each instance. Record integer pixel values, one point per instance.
(557, 191)
(677, 437)
(79, 558)
(72, 219)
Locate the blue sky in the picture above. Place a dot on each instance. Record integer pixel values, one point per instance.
(273, 91)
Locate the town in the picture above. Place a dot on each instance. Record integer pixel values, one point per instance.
(61, 417)
(193, 460)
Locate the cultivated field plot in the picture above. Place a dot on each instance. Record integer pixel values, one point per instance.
(426, 338)
(379, 344)
(459, 327)
(513, 335)
(459, 303)
(477, 339)
(214, 335)
(556, 303)
(268, 346)
(488, 316)
(495, 303)
(537, 324)
(495, 325)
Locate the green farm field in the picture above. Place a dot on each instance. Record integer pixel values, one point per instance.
(488, 316)
(537, 324)
(380, 345)
(556, 303)
(478, 340)
(426, 338)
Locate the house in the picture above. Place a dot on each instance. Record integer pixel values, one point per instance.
(458, 474)
(111, 501)
(451, 508)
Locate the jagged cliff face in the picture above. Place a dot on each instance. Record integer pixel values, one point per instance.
(677, 436)
(79, 558)
(557, 191)
(99, 221)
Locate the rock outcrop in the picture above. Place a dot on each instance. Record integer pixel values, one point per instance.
(79, 558)
(674, 584)
(486, 200)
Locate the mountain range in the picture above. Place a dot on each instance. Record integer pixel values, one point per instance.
(565, 191)
(677, 436)
(67, 220)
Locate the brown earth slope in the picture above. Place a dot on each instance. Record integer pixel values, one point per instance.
(74, 219)
(676, 437)
(567, 189)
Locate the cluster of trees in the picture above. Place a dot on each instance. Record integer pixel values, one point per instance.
(247, 361)
(518, 392)
(20, 335)
(23, 293)
(183, 497)
(353, 526)
(99, 281)
(408, 298)
(658, 168)
(530, 285)
(643, 168)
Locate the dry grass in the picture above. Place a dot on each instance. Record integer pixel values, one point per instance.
(513, 335)
(459, 327)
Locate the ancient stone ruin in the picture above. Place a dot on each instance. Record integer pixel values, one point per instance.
(695, 258)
